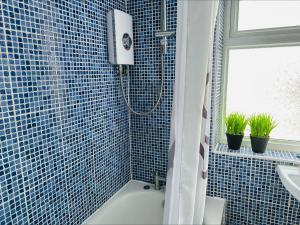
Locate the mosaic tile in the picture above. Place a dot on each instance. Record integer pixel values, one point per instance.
(150, 135)
(270, 155)
(64, 125)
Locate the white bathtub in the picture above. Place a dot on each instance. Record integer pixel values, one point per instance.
(134, 205)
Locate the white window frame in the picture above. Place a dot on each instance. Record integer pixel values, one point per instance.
(259, 38)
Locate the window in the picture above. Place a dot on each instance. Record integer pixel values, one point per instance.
(267, 80)
(268, 14)
(262, 65)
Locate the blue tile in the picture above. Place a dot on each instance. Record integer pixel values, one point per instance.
(61, 107)
(150, 135)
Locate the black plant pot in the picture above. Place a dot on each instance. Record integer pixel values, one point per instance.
(234, 141)
(259, 144)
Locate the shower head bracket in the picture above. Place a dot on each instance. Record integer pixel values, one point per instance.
(162, 34)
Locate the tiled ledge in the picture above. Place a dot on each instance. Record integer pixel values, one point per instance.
(281, 156)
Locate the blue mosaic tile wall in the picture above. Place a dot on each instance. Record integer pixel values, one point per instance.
(150, 135)
(254, 193)
(63, 123)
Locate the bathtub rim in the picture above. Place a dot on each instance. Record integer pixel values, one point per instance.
(130, 187)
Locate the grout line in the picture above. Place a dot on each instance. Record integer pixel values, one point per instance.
(248, 202)
(126, 5)
(129, 129)
(129, 126)
(129, 114)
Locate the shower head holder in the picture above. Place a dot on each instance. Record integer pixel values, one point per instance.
(163, 34)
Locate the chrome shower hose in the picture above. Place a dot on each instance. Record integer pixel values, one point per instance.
(160, 93)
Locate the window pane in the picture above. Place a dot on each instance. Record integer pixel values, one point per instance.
(268, 14)
(267, 80)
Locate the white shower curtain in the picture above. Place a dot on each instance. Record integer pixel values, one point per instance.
(189, 139)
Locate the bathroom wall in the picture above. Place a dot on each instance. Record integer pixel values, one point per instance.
(254, 192)
(251, 185)
(63, 123)
(150, 134)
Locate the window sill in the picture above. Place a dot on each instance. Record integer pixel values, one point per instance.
(246, 152)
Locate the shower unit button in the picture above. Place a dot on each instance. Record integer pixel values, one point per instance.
(127, 41)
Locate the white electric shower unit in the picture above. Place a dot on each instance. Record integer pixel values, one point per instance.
(120, 38)
(120, 48)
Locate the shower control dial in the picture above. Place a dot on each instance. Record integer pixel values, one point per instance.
(127, 41)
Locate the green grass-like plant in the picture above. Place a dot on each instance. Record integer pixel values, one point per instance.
(261, 125)
(236, 124)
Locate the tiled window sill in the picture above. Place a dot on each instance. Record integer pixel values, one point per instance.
(281, 156)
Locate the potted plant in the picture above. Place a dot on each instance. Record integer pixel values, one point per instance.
(235, 127)
(261, 126)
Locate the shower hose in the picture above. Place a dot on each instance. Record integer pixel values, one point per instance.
(160, 93)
